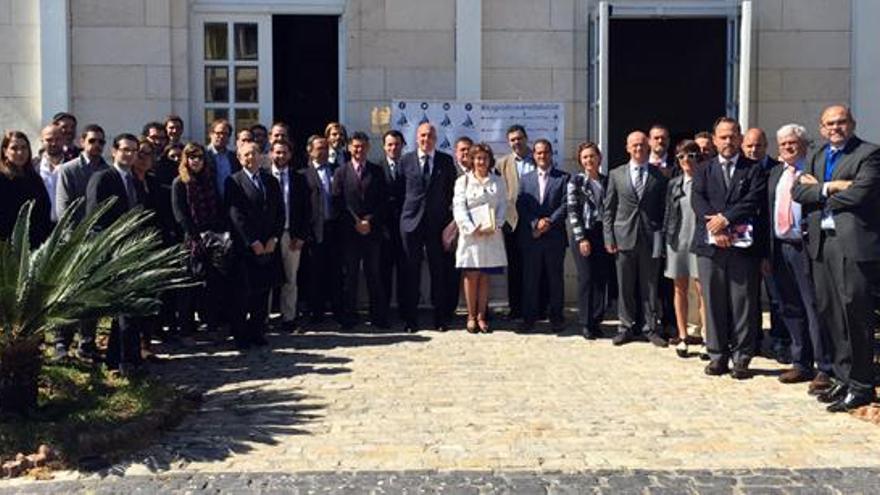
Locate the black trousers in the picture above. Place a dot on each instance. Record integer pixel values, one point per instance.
(124, 343)
(797, 305)
(730, 280)
(251, 315)
(845, 300)
(392, 268)
(324, 261)
(364, 250)
(514, 271)
(542, 258)
(594, 272)
(441, 267)
(87, 330)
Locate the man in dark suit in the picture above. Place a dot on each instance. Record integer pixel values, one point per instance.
(754, 147)
(462, 158)
(839, 194)
(117, 181)
(294, 193)
(391, 252)
(633, 220)
(323, 248)
(256, 213)
(788, 265)
(661, 160)
(429, 180)
(541, 208)
(728, 194)
(222, 161)
(359, 190)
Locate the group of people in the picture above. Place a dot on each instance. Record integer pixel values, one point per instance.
(715, 214)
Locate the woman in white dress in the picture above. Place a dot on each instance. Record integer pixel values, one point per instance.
(480, 198)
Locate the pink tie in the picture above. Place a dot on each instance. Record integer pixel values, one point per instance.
(783, 202)
(542, 185)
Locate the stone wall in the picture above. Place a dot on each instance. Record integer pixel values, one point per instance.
(129, 61)
(802, 61)
(20, 66)
(397, 49)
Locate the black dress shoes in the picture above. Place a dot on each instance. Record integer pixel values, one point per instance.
(557, 326)
(622, 338)
(588, 333)
(716, 368)
(833, 394)
(740, 371)
(657, 340)
(526, 327)
(853, 400)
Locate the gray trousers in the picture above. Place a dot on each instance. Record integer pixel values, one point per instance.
(730, 281)
(637, 285)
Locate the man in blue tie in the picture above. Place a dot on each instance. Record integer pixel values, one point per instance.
(839, 195)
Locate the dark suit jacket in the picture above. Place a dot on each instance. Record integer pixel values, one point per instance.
(297, 203)
(363, 198)
(183, 216)
(313, 218)
(625, 214)
(769, 214)
(105, 184)
(742, 203)
(211, 161)
(531, 209)
(394, 191)
(429, 203)
(856, 211)
(255, 216)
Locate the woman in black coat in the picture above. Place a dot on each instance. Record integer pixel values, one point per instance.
(19, 183)
(198, 209)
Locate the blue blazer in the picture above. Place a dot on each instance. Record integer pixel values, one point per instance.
(530, 209)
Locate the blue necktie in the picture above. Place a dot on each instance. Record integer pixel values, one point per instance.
(831, 159)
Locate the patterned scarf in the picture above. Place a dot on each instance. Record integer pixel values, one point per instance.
(203, 203)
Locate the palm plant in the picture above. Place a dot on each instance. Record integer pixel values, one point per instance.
(77, 273)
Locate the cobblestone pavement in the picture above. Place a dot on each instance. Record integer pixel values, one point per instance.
(447, 403)
(743, 481)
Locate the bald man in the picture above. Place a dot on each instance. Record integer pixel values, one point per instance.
(429, 180)
(633, 218)
(838, 192)
(48, 163)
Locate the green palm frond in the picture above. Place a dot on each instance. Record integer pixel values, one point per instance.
(79, 273)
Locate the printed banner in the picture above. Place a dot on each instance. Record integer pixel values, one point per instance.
(482, 121)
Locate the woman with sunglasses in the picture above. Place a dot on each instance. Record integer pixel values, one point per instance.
(198, 208)
(681, 264)
(19, 183)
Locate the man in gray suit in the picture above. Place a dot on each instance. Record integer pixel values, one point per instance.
(839, 194)
(73, 178)
(633, 219)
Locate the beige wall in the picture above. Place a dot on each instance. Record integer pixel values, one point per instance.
(129, 61)
(20, 66)
(537, 50)
(397, 49)
(802, 61)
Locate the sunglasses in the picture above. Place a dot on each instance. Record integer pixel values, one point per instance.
(96, 140)
(692, 155)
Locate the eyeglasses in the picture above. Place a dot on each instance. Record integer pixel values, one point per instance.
(96, 140)
(692, 155)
